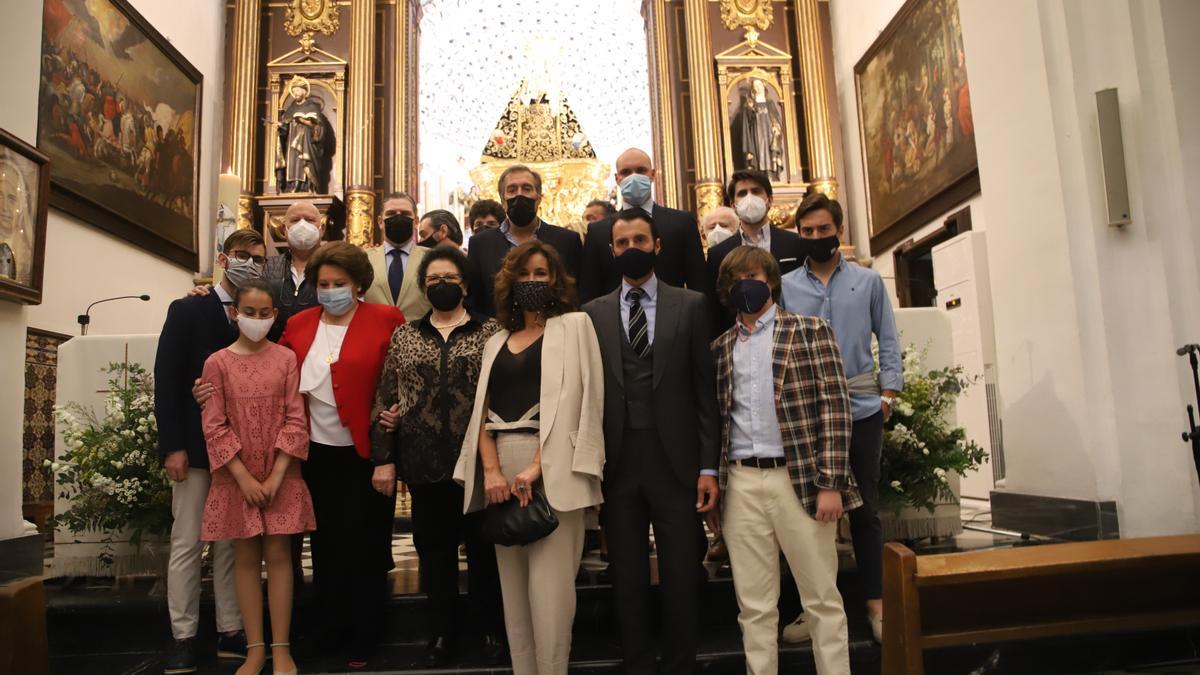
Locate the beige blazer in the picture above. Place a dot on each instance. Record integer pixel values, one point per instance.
(411, 301)
(571, 409)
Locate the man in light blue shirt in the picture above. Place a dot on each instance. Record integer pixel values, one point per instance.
(855, 302)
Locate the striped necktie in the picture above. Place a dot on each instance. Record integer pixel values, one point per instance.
(639, 333)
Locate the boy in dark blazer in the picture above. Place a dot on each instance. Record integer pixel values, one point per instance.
(196, 327)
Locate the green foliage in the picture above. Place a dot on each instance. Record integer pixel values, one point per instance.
(920, 447)
(111, 473)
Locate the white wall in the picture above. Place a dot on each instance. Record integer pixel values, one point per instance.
(83, 263)
(1087, 317)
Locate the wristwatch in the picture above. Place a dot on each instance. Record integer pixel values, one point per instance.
(889, 400)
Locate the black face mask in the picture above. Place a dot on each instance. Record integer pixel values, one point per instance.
(444, 296)
(821, 250)
(635, 263)
(521, 210)
(532, 296)
(398, 228)
(428, 242)
(749, 296)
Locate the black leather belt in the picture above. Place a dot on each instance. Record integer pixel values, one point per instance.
(762, 462)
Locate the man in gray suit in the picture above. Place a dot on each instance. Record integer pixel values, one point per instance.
(660, 436)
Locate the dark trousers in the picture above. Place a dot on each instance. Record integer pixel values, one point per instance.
(438, 527)
(866, 443)
(643, 489)
(352, 545)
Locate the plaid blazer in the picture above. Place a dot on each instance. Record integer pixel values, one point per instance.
(811, 402)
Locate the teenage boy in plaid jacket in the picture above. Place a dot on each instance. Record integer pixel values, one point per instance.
(785, 468)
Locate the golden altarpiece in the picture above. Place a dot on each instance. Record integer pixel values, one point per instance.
(733, 83)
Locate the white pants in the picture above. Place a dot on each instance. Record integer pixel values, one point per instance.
(762, 515)
(183, 570)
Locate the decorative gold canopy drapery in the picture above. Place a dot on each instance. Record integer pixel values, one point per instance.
(541, 131)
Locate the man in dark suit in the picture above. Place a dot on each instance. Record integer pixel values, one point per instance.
(660, 436)
(521, 189)
(749, 193)
(681, 262)
(196, 327)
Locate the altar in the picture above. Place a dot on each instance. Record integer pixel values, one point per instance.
(82, 379)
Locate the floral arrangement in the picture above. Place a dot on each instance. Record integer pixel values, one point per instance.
(920, 448)
(110, 472)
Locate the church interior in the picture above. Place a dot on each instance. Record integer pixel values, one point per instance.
(1022, 176)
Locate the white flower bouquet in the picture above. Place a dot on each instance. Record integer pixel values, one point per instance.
(110, 473)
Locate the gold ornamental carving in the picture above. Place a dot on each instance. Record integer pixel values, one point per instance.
(245, 212)
(752, 15)
(539, 129)
(360, 214)
(708, 197)
(310, 16)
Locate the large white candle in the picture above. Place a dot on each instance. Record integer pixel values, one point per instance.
(229, 188)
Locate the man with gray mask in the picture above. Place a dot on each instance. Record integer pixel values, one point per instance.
(196, 326)
(681, 261)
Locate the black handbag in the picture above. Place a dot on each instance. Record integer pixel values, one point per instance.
(508, 524)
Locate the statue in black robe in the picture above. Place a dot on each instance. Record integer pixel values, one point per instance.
(306, 145)
(762, 131)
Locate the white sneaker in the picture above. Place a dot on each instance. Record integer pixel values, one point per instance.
(877, 627)
(798, 631)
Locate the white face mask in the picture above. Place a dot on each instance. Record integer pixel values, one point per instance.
(254, 329)
(303, 235)
(752, 209)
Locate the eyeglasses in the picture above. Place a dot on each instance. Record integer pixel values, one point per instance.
(437, 279)
(245, 255)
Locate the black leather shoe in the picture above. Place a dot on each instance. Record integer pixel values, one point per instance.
(495, 649)
(231, 645)
(182, 658)
(439, 652)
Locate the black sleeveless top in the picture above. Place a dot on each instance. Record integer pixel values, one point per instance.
(514, 389)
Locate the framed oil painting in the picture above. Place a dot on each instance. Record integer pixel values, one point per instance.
(24, 186)
(119, 115)
(914, 112)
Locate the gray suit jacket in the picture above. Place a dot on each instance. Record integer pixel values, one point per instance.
(685, 397)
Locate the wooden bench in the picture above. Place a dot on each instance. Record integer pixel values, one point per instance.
(1034, 592)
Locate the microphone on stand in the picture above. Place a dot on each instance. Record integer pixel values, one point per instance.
(86, 318)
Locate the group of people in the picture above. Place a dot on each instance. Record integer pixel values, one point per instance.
(620, 372)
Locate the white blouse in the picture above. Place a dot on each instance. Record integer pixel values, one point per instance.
(325, 426)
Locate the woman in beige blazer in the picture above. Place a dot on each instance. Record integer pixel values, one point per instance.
(537, 426)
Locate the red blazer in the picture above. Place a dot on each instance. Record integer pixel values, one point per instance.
(356, 373)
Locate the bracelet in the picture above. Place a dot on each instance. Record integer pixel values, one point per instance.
(890, 400)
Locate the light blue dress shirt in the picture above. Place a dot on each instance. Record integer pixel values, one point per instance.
(754, 426)
(856, 305)
(649, 305)
(506, 230)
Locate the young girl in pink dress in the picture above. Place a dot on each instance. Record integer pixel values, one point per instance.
(257, 434)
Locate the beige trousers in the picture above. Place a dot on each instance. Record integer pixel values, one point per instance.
(762, 515)
(538, 581)
(183, 566)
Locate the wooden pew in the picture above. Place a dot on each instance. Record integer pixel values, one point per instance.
(1034, 592)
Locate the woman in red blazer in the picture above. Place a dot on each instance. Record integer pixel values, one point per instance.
(341, 346)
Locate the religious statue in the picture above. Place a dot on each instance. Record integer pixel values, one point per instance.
(306, 142)
(762, 131)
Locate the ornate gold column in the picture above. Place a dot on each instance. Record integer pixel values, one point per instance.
(242, 88)
(360, 197)
(704, 107)
(655, 14)
(400, 175)
(816, 100)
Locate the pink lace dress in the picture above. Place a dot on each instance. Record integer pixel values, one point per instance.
(255, 413)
